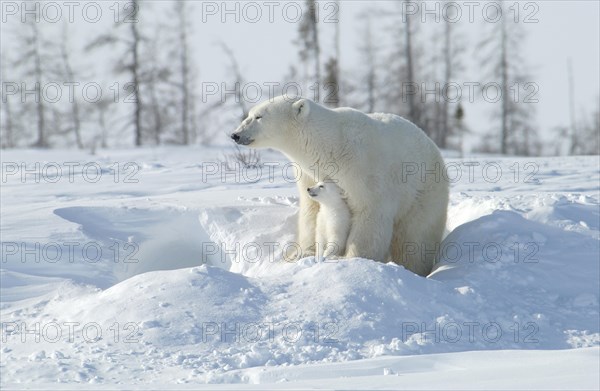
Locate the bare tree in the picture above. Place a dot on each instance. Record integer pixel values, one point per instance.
(309, 42)
(247, 157)
(400, 96)
(574, 139)
(594, 131)
(32, 56)
(184, 81)
(368, 51)
(128, 35)
(448, 68)
(234, 69)
(453, 50)
(590, 132)
(135, 72)
(443, 64)
(69, 76)
(157, 88)
(501, 50)
(9, 124)
(331, 83)
(101, 108)
(502, 71)
(460, 130)
(410, 71)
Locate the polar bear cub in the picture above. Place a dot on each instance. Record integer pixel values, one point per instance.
(333, 219)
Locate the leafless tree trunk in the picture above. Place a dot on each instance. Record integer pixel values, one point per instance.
(445, 123)
(410, 73)
(502, 57)
(130, 61)
(368, 53)
(317, 48)
(32, 52)
(335, 100)
(70, 77)
(135, 70)
(102, 108)
(184, 78)
(589, 128)
(459, 115)
(239, 79)
(594, 130)
(573, 133)
(402, 65)
(504, 84)
(452, 55)
(309, 43)
(331, 83)
(155, 106)
(338, 54)
(158, 89)
(8, 127)
(184, 69)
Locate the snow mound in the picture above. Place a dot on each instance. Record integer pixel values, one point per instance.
(209, 296)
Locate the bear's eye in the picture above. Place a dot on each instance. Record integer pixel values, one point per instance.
(321, 187)
(258, 117)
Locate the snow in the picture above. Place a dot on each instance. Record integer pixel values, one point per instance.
(169, 271)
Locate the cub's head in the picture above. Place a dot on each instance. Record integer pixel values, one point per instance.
(268, 124)
(326, 193)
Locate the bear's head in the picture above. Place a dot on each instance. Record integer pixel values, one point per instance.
(326, 193)
(271, 123)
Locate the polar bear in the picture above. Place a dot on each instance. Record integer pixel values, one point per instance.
(333, 219)
(388, 167)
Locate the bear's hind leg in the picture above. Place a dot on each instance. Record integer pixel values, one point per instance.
(370, 236)
(417, 237)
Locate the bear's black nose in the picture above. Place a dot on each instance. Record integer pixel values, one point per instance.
(235, 137)
(308, 189)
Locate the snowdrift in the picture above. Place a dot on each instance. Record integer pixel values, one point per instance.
(190, 282)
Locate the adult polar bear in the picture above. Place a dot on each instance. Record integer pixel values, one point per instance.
(390, 170)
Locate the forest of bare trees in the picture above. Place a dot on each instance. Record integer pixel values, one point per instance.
(401, 70)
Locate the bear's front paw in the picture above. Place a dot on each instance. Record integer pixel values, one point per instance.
(294, 254)
(331, 258)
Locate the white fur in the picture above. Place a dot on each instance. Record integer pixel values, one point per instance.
(392, 213)
(333, 220)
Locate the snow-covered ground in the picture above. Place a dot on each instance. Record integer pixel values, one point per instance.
(162, 267)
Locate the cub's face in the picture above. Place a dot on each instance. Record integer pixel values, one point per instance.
(325, 192)
(269, 122)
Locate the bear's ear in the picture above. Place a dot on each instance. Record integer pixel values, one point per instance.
(301, 109)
